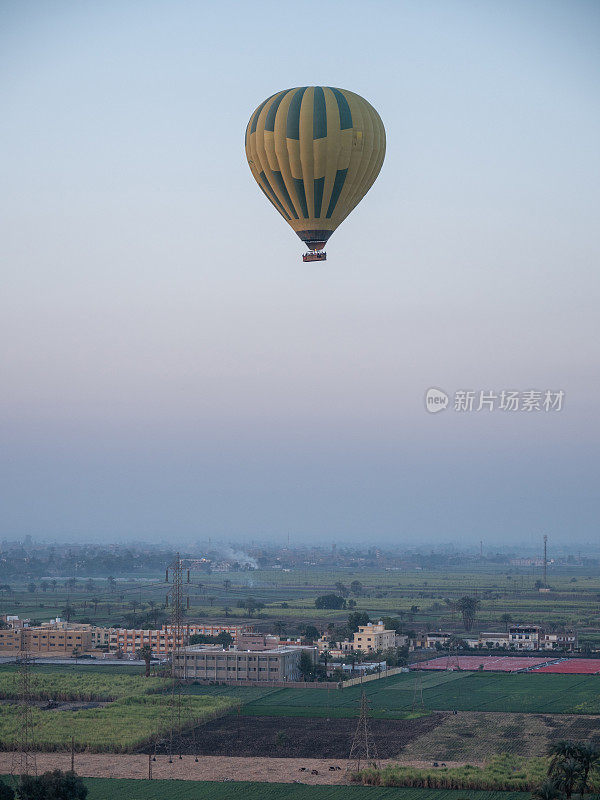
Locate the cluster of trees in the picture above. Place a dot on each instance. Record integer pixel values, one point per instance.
(251, 604)
(330, 601)
(55, 785)
(569, 771)
(35, 560)
(356, 588)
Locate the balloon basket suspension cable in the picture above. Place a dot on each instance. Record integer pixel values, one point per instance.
(315, 255)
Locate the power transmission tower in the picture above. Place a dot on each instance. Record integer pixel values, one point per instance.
(452, 660)
(418, 703)
(23, 758)
(363, 750)
(545, 561)
(175, 595)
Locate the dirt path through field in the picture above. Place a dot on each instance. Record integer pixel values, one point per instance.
(207, 768)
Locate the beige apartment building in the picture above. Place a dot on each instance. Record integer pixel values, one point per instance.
(46, 640)
(369, 639)
(280, 664)
(374, 636)
(161, 642)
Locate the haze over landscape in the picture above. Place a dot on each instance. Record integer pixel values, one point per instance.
(170, 368)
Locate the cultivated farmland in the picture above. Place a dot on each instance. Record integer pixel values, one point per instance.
(392, 698)
(114, 789)
(102, 713)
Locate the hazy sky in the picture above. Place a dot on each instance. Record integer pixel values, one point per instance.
(169, 368)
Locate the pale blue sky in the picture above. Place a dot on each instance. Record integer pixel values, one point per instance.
(170, 368)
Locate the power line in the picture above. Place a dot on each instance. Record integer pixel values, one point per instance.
(418, 703)
(23, 758)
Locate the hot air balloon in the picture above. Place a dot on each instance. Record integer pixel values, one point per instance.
(315, 152)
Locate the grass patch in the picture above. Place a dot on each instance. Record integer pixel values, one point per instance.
(503, 773)
(137, 711)
(55, 685)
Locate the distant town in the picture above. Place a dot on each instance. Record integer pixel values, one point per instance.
(289, 615)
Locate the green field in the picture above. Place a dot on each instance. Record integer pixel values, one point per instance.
(103, 712)
(442, 691)
(119, 789)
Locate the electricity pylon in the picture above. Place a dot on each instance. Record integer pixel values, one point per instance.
(418, 703)
(363, 750)
(23, 757)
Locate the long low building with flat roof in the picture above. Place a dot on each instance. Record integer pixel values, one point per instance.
(209, 662)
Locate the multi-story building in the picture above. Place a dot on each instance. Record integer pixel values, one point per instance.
(161, 642)
(369, 639)
(209, 662)
(47, 640)
(433, 638)
(374, 636)
(204, 629)
(492, 639)
(10, 639)
(525, 637)
(528, 637)
(560, 641)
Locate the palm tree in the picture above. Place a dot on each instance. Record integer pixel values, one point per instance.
(547, 790)
(506, 619)
(468, 608)
(569, 774)
(560, 751)
(145, 653)
(588, 756)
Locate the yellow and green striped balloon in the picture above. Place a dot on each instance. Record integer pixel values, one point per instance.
(315, 152)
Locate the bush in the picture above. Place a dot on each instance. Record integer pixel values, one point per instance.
(333, 601)
(6, 793)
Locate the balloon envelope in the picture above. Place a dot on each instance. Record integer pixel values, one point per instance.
(315, 152)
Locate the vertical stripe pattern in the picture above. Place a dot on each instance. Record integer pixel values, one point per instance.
(315, 152)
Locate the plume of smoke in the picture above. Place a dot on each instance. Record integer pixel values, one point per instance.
(227, 553)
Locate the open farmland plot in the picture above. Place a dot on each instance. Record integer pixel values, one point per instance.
(56, 684)
(114, 789)
(476, 736)
(523, 692)
(485, 663)
(574, 666)
(132, 789)
(122, 712)
(392, 698)
(299, 737)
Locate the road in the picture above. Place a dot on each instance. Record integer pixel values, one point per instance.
(79, 662)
